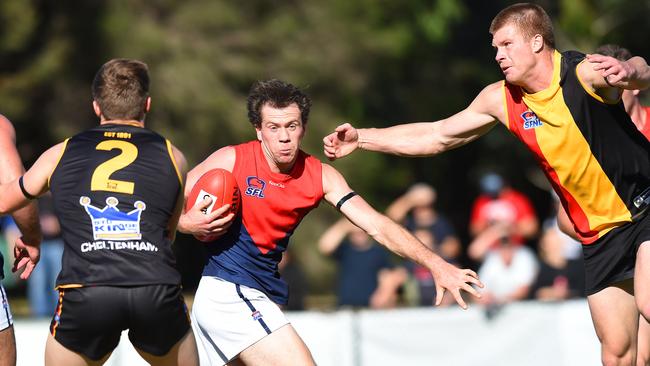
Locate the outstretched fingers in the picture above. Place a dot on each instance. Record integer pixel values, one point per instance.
(472, 277)
(464, 280)
(455, 293)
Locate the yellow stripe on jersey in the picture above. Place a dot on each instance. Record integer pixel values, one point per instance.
(171, 156)
(579, 169)
(65, 143)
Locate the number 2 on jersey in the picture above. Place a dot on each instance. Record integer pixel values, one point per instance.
(101, 179)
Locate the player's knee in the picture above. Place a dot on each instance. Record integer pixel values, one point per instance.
(618, 354)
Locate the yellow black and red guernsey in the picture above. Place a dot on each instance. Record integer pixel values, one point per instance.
(589, 149)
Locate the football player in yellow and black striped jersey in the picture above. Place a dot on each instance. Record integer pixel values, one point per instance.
(118, 192)
(566, 108)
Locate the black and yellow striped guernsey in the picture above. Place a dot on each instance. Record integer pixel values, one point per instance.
(115, 190)
(590, 150)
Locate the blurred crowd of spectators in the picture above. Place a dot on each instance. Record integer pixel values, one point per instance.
(518, 255)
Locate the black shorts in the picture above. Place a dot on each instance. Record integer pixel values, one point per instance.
(612, 258)
(90, 320)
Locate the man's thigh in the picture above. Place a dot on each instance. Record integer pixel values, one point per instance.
(642, 279)
(7, 347)
(615, 318)
(282, 347)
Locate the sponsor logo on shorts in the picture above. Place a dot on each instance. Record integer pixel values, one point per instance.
(255, 187)
(111, 223)
(531, 120)
(256, 315)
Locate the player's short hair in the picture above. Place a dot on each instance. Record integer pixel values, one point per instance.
(278, 94)
(530, 19)
(614, 50)
(121, 88)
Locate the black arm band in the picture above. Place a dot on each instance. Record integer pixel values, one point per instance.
(344, 199)
(22, 188)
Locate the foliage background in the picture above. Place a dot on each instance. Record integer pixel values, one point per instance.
(373, 62)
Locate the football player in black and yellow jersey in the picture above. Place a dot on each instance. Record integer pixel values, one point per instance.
(566, 108)
(118, 191)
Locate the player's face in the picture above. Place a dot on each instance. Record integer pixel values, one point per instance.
(281, 133)
(514, 54)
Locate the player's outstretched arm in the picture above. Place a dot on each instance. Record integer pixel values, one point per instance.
(194, 221)
(397, 239)
(421, 138)
(608, 72)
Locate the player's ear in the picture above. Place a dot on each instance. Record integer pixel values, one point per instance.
(147, 105)
(258, 130)
(98, 111)
(537, 43)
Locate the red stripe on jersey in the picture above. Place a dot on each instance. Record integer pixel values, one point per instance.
(515, 107)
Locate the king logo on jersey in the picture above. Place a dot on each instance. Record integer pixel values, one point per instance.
(110, 223)
(255, 187)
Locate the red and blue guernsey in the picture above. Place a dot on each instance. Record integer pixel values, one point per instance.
(273, 204)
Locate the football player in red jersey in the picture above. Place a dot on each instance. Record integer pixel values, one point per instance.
(27, 249)
(235, 313)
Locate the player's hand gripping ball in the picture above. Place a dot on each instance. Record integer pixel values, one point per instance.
(221, 186)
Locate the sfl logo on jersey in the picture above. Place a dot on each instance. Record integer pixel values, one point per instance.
(530, 120)
(255, 187)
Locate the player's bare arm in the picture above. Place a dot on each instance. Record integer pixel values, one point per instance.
(35, 181)
(11, 168)
(422, 138)
(194, 221)
(396, 238)
(34, 184)
(603, 72)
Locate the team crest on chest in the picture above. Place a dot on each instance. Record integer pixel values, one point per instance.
(110, 223)
(530, 120)
(255, 187)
